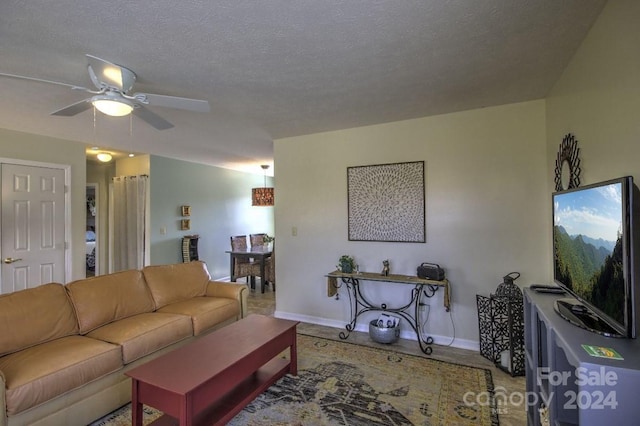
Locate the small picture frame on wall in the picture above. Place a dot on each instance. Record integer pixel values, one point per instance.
(186, 210)
(185, 224)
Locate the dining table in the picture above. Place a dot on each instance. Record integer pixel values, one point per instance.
(257, 253)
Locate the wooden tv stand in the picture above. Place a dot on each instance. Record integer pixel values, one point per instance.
(579, 389)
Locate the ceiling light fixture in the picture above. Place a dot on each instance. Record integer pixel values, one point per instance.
(105, 157)
(112, 105)
(262, 196)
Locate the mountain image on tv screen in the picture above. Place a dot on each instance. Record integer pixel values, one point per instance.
(588, 252)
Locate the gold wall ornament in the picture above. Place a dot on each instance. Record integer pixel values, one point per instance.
(568, 164)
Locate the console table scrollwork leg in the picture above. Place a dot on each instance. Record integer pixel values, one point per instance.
(351, 286)
(424, 343)
(359, 304)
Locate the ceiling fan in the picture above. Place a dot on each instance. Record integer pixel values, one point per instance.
(113, 95)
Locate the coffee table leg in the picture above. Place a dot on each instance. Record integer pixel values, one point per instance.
(136, 407)
(293, 353)
(186, 411)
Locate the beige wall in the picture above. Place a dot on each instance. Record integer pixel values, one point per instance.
(138, 165)
(486, 213)
(598, 98)
(28, 147)
(490, 175)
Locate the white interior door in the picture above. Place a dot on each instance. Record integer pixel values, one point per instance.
(33, 226)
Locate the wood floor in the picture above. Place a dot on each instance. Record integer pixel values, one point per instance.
(507, 387)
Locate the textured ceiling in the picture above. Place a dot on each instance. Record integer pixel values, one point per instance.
(279, 68)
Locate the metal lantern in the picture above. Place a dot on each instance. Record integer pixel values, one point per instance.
(501, 326)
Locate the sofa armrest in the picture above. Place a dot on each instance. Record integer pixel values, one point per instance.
(3, 400)
(230, 291)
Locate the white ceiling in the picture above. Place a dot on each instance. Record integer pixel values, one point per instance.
(279, 68)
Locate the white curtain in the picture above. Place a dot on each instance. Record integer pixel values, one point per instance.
(129, 212)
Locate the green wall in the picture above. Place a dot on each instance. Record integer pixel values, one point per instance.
(220, 201)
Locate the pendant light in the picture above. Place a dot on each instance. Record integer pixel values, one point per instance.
(262, 196)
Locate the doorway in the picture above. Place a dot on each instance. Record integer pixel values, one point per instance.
(92, 232)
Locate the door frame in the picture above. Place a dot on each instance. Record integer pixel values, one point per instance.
(68, 258)
(98, 226)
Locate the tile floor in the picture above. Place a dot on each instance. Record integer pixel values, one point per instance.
(511, 388)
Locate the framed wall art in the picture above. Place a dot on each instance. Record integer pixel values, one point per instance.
(185, 224)
(185, 210)
(386, 202)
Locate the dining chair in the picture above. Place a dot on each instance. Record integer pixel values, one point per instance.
(244, 267)
(256, 239)
(270, 269)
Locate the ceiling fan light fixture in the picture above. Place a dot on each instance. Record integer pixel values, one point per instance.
(115, 107)
(104, 157)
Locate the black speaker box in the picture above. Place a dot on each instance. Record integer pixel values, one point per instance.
(431, 271)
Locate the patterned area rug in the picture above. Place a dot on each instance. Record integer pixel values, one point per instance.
(340, 383)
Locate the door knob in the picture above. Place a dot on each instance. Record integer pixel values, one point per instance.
(10, 260)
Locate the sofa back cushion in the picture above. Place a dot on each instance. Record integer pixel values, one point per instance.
(106, 298)
(33, 316)
(177, 282)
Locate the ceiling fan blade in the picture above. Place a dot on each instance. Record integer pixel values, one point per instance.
(74, 109)
(176, 102)
(151, 117)
(107, 73)
(41, 80)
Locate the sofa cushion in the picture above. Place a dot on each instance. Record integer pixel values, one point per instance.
(177, 282)
(205, 312)
(41, 372)
(107, 298)
(33, 316)
(143, 334)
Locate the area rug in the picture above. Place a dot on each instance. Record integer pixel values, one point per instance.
(341, 383)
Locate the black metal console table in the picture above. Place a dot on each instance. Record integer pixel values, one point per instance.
(359, 304)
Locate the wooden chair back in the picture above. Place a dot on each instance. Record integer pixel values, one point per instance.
(239, 242)
(256, 239)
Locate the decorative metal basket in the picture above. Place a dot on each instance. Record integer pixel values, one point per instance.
(383, 334)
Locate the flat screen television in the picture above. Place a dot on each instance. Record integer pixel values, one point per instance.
(594, 256)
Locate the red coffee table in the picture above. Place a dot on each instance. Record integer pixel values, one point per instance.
(211, 379)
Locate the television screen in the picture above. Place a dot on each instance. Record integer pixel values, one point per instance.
(593, 253)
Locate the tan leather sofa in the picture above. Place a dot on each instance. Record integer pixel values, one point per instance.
(64, 348)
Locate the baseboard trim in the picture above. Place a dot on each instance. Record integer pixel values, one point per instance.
(404, 334)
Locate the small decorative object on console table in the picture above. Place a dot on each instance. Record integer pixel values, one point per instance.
(359, 304)
(385, 268)
(346, 264)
